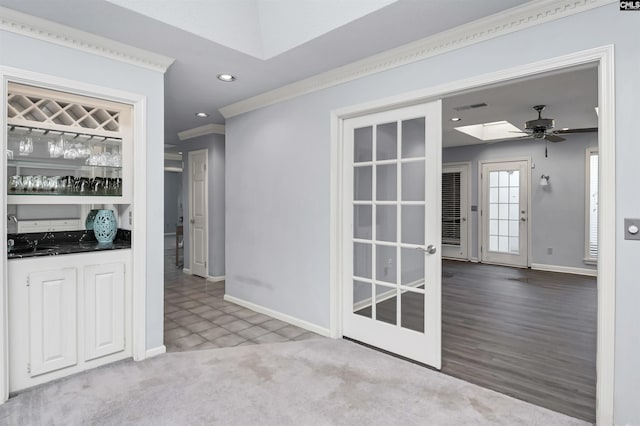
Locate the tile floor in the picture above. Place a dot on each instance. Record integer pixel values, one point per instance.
(197, 316)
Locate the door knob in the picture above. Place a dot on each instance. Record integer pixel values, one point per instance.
(431, 249)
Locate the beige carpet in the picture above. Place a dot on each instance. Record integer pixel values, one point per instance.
(314, 382)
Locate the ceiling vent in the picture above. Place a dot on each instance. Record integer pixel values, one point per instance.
(472, 106)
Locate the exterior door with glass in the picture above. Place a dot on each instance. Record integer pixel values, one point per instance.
(505, 207)
(391, 231)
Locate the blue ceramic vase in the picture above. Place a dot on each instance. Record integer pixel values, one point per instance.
(105, 226)
(91, 217)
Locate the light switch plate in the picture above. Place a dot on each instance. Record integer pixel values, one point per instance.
(629, 223)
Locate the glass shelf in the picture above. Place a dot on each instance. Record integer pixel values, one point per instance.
(60, 164)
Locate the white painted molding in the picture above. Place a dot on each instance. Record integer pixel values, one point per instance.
(172, 156)
(207, 129)
(62, 35)
(508, 21)
(173, 169)
(156, 351)
(279, 315)
(216, 279)
(187, 271)
(565, 269)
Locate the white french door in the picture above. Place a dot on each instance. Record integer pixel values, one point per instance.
(455, 210)
(504, 214)
(391, 231)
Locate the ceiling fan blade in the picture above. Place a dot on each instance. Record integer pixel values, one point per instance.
(554, 138)
(568, 131)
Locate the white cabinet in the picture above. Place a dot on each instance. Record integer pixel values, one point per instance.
(64, 148)
(52, 320)
(104, 305)
(67, 314)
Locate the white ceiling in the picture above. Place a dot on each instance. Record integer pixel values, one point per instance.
(260, 28)
(190, 83)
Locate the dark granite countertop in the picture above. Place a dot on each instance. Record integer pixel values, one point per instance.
(59, 243)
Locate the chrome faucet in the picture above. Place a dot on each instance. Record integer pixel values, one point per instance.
(10, 244)
(12, 218)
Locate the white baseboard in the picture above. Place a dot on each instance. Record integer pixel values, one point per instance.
(565, 269)
(216, 279)
(156, 351)
(187, 271)
(474, 260)
(279, 315)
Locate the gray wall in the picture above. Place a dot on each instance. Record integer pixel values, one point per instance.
(216, 146)
(30, 54)
(278, 175)
(557, 212)
(172, 201)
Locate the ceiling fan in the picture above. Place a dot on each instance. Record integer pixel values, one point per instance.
(541, 128)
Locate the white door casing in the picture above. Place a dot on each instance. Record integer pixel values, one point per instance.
(455, 225)
(504, 213)
(198, 212)
(392, 169)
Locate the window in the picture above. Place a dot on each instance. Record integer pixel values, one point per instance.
(591, 206)
(451, 208)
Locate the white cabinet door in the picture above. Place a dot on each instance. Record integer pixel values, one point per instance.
(52, 320)
(104, 307)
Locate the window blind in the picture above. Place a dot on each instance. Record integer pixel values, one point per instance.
(451, 208)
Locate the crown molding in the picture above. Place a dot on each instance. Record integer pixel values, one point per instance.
(207, 129)
(508, 21)
(41, 29)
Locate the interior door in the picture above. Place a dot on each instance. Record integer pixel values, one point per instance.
(198, 247)
(455, 210)
(391, 238)
(505, 207)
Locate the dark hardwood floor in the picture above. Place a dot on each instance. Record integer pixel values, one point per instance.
(528, 334)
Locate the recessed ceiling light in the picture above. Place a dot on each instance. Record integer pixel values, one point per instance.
(455, 119)
(202, 114)
(226, 78)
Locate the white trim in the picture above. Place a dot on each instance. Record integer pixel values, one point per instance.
(216, 279)
(139, 196)
(604, 56)
(187, 271)
(207, 129)
(565, 269)
(173, 169)
(474, 260)
(279, 315)
(172, 156)
(62, 35)
(156, 351)
(499, 24)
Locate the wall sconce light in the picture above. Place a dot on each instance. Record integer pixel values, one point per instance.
(544, 180)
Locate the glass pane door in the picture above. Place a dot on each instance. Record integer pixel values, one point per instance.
(394, 287)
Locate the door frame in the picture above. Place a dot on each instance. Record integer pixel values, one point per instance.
(138, 200)
(206, 208)
(481, 194)
(604, 58)
(467, 213)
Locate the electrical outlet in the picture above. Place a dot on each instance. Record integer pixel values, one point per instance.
(549, 250)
